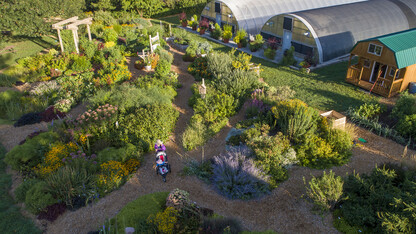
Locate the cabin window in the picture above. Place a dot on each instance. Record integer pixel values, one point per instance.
(218, 7)
(287, 23)
(375, 49)
(367, 63)
(392, 71)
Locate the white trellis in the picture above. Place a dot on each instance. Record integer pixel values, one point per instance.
(153, 40)
(73, 26)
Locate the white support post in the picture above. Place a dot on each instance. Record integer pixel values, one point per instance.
(60, 40)
(75, 34)
(89, 32)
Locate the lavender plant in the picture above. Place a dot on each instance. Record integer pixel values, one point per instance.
(237, 177)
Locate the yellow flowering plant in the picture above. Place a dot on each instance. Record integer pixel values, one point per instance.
(53, 158)
(112, 175)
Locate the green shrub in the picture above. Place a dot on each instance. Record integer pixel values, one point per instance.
(217, 106)
(38, 198)
(118, 154)
(147, 124)
(128, 97)
(325, 191)
(238, 84)
(25, 157)
(288, 57)
(221, 225)
(81, 64)
(25, 186)
(217, 32)
(163, 68)
(407, 126)
(7, 80)
(381, 201)
(270, 53)
(369, 110)
(8, 98)
(104, 17)
(88, 48)
(219, 64)
(194, 135)
(164, 55)
(202, 170)
(294, 118)
(405, 105)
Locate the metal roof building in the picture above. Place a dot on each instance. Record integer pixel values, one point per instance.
(333, 31)
(251, 15)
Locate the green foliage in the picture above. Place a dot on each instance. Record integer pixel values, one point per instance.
(227, 33)
(217, 32)
(270, 53)
(164, 54)
(81, 64)
(110, 35)
(11, 219)
(147, 124)
(221, 225)
(128, 97)
(162, 68)
(138, 210)
(325, 191)
(407, 126)
(238, 84)
(25, 157)
(294, 118)
(119, 154)
(88, 48)
(288, 57)
(195, 134)
(7, 80)
(219, 64)
(382, 201)
(369, 110)
(240, 37)
(38, 198)
(147, 8)
(104, 17)
(21, 191)
(405, 105)
(257, 43)
(202, 170)
(70, 182)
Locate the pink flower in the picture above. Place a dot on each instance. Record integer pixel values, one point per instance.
(96, 118)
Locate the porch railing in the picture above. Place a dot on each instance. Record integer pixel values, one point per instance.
(354, 74)
(386, 87)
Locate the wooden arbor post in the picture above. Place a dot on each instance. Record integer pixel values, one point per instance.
(73, 26)
(60, 25)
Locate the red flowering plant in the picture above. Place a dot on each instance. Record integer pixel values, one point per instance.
(273, 43)
(182, 17)
(203, 24)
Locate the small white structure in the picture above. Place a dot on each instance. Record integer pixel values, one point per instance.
(73, 26)
(153, 40)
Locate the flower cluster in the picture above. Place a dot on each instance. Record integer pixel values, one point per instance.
(112, 175)
(79, 155)
(53, 159)
(117, 73)
(104, 113)
(165, 221)
(199, 68)
(132, 165)
(128, 25)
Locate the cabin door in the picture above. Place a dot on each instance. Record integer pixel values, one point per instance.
(218, 17)
(376, 67)
(287, 33)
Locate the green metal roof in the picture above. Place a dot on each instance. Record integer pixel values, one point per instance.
(403, 44)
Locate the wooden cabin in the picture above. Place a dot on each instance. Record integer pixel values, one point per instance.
(386, 64)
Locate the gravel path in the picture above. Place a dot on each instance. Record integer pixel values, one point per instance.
(284, 210)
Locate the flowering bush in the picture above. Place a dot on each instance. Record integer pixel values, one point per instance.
(237, 177)
(199, 69)
(112, 73)
(53, 158)
(112, 175)
(165, 221)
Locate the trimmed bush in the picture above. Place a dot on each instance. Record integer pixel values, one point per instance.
(38, 198)
(162, 68)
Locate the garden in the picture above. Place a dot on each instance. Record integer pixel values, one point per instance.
(251, 139)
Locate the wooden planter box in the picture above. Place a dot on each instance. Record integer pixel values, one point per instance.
(337, 119)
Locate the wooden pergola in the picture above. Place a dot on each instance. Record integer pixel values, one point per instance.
(73, 24)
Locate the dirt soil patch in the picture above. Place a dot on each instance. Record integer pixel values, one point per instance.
(283, 210)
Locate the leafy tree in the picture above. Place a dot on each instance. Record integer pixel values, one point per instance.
(146, 7)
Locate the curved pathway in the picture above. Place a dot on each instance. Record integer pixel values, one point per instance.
(284, 210)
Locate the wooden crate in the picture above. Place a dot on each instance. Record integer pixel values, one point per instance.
(337, 119)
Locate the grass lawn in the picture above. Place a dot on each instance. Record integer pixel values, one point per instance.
(173, 19)
(11, 220)
(136, 212)
(10, 52)
(324, 88)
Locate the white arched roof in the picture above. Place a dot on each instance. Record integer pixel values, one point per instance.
(251, 15)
